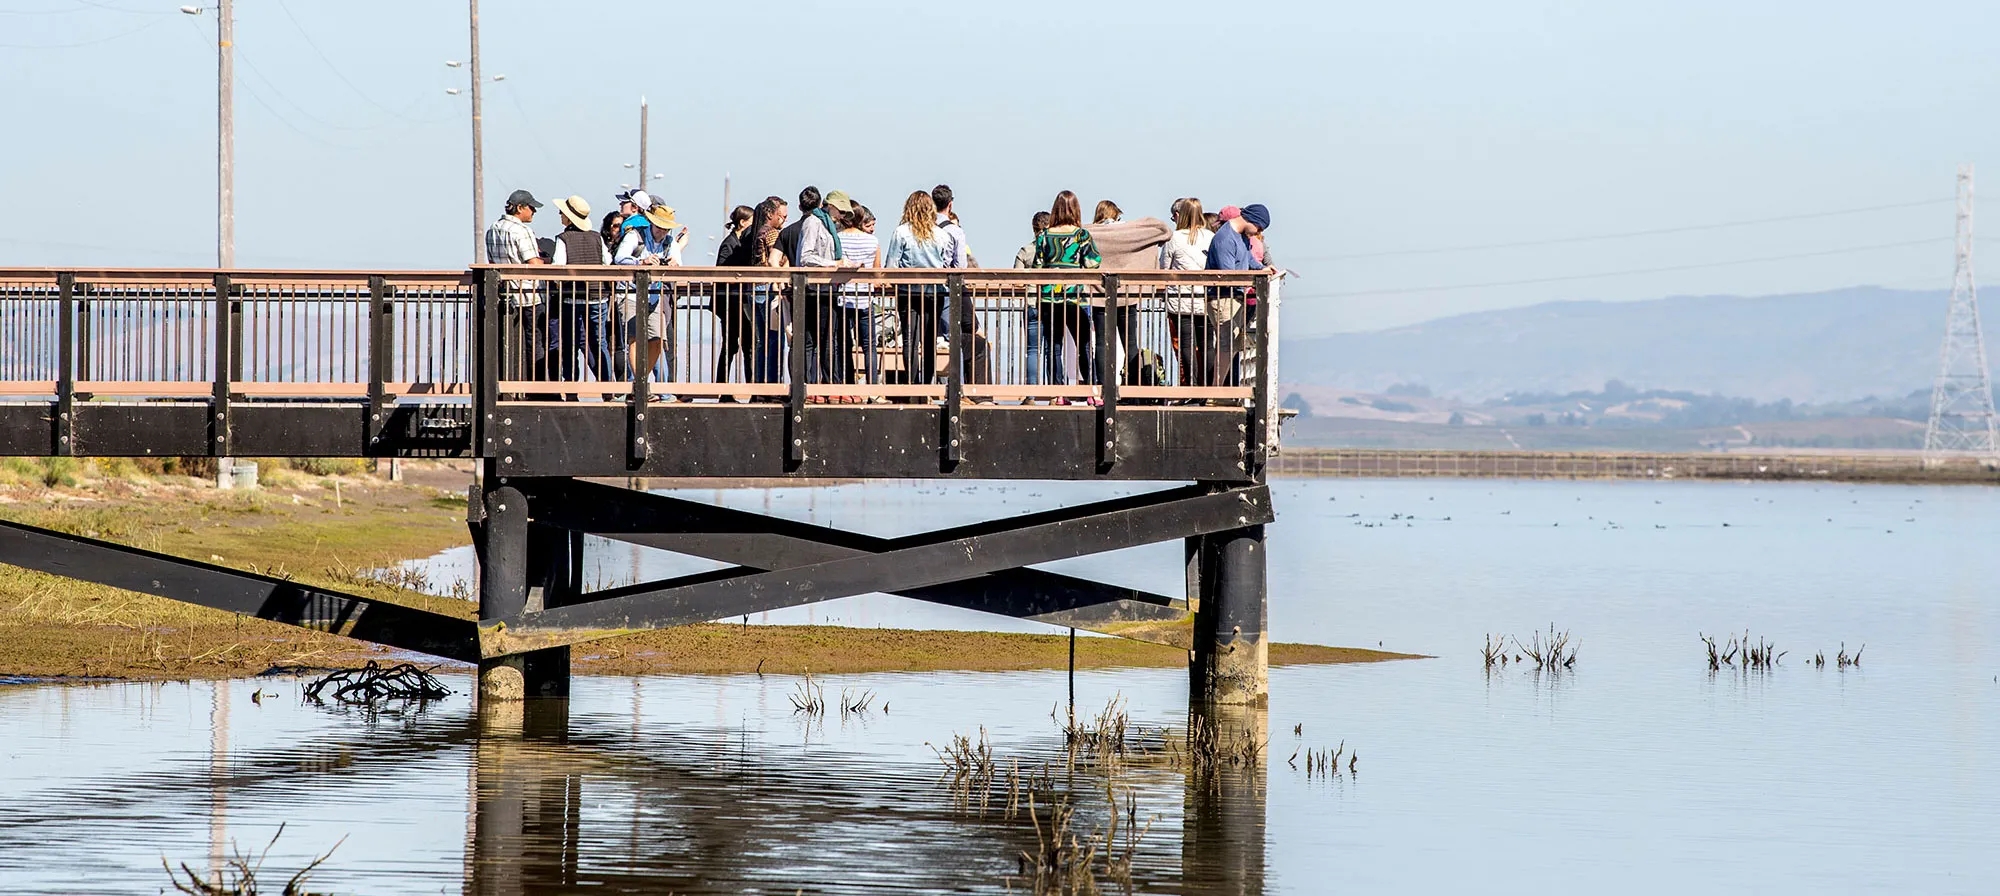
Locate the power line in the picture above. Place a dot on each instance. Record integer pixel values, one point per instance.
(1604, 274)
(337, 73)
(533, 132)
(83, 43)
(89, 6)
(1521, 244)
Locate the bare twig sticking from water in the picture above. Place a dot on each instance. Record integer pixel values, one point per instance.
(809, 697)
(969, 769)
(1101, 739)
(372, 683)
(1495, 651)
(1762, 656)
(854, 704)
(1552, 655)
(1841, 660)
(238, 876)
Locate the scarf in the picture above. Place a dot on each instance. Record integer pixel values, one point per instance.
(645, 228)
(831, 230)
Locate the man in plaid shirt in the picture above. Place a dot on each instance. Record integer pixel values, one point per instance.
(523, 320)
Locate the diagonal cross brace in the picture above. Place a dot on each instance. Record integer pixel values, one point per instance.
(249, 594)
(915, 562)
(759, 542)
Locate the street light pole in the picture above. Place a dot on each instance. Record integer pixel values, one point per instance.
(478, 150)
(225, 135)
(642, 144)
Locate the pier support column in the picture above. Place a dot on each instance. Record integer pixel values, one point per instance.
(520, 565)
(1230, 662)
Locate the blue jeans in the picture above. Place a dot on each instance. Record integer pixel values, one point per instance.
(1033, 375)
(767, 358)
(589, 331)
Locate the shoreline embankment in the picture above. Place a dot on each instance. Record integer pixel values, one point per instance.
(1368, 463)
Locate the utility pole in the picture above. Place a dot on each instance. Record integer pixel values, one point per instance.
(643, 185)
(225, 159)
(727, 209)
(225, 135)
(1962, 418)
(478, 150)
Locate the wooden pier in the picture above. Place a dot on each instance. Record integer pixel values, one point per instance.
(752, 379)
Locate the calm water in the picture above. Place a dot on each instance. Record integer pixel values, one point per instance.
(1638, 772)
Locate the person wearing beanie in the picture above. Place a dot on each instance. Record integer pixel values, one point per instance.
(1230, 251)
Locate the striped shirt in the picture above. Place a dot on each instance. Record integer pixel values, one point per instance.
(511, 241)
(858, 246)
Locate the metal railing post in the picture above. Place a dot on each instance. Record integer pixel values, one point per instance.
(1109, 372)
(378, 362)
(1260, 389)
(795, 350)
(961, 362)
(486, 373)
(642, 372)
(65, 429)
(228, 344)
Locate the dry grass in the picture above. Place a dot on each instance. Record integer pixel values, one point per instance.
(53, 626)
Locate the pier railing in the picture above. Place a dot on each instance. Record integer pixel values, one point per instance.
(876, 335)
(710, 335)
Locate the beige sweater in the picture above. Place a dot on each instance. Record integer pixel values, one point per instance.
(1132, 244)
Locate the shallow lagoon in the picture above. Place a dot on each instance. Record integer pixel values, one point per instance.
(1640, 771)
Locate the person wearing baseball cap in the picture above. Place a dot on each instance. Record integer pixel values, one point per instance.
(1231, 251)
(524, 323)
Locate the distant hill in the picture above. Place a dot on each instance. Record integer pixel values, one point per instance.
(1814, 347)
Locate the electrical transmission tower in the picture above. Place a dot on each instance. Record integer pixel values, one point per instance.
(1962, 420)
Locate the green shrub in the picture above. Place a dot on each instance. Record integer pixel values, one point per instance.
(59, 471)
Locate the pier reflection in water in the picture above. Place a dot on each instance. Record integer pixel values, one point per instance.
(687, 785)
(556, 807)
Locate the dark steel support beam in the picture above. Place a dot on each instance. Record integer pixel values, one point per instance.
(249, 594)
(758, 542)
(917, 562)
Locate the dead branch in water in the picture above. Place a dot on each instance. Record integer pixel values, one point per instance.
(372, 683)
(238, 875)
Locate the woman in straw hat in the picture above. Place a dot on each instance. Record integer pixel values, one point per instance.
(585, 324)
(664, 240)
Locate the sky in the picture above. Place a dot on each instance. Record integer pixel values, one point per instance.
(1406, 150)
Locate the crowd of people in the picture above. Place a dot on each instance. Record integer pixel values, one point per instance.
(559, 329)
